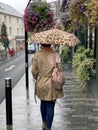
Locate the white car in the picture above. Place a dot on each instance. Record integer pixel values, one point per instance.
(31, 49)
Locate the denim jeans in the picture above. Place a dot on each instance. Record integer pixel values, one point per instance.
(47, 112)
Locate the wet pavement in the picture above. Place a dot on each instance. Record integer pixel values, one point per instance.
(78, 110)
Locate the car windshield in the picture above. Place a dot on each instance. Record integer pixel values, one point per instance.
(31, 47)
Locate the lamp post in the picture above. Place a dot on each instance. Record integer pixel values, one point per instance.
(26, 55)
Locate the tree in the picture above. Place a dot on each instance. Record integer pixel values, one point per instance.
(4, 37)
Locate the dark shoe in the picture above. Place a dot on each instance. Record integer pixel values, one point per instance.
(44, 126)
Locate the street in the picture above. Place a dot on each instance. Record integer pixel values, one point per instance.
(13, 68)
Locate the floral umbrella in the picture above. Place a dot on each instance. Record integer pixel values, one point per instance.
(55, 36)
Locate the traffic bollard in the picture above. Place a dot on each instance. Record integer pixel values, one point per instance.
(8, 92)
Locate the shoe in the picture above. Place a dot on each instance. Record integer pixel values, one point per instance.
(44, 126)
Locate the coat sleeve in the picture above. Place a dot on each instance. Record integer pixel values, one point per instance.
(34, 69)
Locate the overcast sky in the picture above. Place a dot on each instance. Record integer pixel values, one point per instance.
(19, 5)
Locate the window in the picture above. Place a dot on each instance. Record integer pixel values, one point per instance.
(17, 20)
(9, 19)
(22, 31)
(17, 31)
(5, 18)
(10, 30)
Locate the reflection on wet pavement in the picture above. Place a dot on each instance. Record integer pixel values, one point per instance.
(78, 110)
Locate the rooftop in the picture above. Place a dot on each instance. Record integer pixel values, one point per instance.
(7, 9)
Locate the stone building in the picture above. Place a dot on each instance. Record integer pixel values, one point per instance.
(14, 24)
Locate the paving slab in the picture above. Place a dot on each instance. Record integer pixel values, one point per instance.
(76, 111)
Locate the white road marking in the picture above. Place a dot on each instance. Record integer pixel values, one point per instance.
(9, 68)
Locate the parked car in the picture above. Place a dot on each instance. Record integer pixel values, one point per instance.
(31, 49)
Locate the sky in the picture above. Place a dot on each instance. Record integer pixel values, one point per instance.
(19, 5)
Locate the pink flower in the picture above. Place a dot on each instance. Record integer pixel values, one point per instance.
(35, 19)
(96, 3)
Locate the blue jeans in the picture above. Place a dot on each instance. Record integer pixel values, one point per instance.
(47, 112)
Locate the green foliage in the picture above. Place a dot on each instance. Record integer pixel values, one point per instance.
(4, 37)
(64, 54)
(83, 63)
(41, 8)
(82, 12)
(80, 49)
(38, 17)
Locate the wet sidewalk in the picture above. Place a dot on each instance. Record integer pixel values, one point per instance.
(76, 111)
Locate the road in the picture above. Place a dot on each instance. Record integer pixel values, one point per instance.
(13, 68)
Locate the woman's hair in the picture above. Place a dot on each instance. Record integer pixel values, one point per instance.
(46, 45)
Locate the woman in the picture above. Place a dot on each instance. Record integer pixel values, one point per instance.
(42, 66)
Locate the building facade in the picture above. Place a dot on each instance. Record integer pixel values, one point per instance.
(14, 24)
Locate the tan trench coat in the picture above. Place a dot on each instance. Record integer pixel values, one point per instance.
(41, 70)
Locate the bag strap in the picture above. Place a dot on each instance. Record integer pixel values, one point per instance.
(54, 58)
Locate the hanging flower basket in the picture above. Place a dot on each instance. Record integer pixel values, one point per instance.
(38, 16)
(91, 12)
(67, 22)
(77, 13)
(84, 12)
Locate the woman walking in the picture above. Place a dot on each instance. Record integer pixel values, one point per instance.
(42, 66)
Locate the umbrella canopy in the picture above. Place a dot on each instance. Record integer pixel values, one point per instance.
(55, 36)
